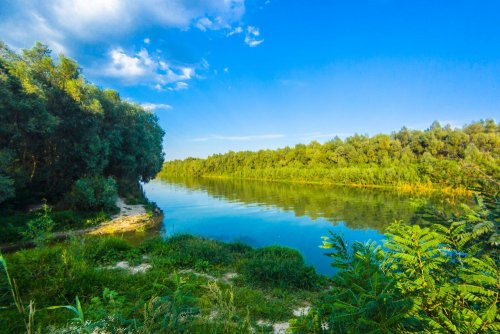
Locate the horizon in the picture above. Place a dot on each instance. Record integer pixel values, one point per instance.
(248, 75)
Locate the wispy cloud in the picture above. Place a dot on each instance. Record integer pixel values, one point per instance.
(181, 85)
(252, 37)
(238, 138)
(156, 106)
(251, 33)
(304, 137)
(235, 31)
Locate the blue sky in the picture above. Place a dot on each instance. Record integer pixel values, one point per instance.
(234, 75)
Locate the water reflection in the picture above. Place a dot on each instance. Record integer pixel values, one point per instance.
(264, 213)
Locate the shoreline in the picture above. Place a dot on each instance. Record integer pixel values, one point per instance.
(120, 223)
(418, 188)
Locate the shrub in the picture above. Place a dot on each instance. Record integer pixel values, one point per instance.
(6, 188)
(105, 249)
(93, 193)
(188, 250)
(40, 228)
(279, 267)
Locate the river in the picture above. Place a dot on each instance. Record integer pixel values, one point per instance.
(271, 213)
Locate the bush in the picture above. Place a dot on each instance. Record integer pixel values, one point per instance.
(6, 188)
(105, 249)
(278, 267)
(93, 193)
(40, 228)
(188, 250)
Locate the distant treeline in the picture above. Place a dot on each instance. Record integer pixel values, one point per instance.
(62, 137)
(440, 156)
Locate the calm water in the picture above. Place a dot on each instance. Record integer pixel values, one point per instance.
(261, 214)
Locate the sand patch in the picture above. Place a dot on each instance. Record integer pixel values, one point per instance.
(124, 265)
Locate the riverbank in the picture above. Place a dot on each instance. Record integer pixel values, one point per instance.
(184, 284)
(130, 218)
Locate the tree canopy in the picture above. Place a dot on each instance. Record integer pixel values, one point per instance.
(57, 128)
(467, 157)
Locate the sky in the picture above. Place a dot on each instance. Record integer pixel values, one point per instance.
(253, 74)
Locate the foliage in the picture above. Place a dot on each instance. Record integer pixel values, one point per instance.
(77, 311)
(95, 193)
(363, 299)
(26, 313)
(456, 158)
(167, 298)
(224, 317)
(443, 279)
(14, 226)
(40, 228)
(6, 188)
(56, 128)
(188, 251)
(277, 266)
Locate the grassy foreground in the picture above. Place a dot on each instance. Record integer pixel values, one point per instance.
(186, 284)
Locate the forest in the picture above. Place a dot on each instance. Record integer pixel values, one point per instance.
(439, 156)
(66, 140)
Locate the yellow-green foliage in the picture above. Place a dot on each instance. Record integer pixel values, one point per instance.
(441, 279)
(438, 156)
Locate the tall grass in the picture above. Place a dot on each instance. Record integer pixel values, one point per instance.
(28, 317)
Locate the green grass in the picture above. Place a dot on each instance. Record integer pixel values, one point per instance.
(14, 223)
(176, 295)
(278, 267)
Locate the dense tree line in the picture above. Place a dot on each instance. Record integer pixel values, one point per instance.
(438, 155)
(61, 135)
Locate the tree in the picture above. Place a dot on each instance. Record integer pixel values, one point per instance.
(57, 128)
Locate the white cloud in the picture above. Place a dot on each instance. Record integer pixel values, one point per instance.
(206, 23)
(237, 30)
(251, 36)
(125, 66)
(305, 137)
(226, 69)
(156, 106)
(59, 22)
(142, 67)
(181, 85)
(147, 40)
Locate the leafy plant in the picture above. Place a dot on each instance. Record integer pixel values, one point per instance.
(439, 279)
(40, 228)
(27, 313)
(170, 313)
(93, 193)
(223, 317)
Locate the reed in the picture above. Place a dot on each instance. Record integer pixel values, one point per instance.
(27, 317)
